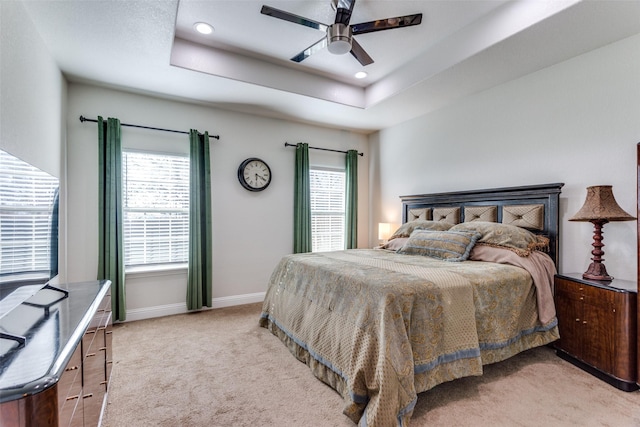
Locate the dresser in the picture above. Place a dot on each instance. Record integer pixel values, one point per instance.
(59, 374)
(598, 327)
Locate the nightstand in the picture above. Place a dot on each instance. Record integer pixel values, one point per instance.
(598, 327)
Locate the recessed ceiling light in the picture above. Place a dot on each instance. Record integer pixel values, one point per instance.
(360, 75)
(203, 28)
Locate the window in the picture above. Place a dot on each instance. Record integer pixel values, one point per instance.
(327, 209)
(26, 203)
(156, 208)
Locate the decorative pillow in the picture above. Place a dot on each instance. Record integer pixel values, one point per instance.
(395, 244)
(514, 238)
(446, 245)
(407, 228)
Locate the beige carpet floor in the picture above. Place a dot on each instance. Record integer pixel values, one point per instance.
(219, 368)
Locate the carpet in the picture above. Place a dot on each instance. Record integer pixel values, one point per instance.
(219, 368)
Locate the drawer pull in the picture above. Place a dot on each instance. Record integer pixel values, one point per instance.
(73, 397)
(90, 354)
(71, 368)
(86, 396)
(577, 320)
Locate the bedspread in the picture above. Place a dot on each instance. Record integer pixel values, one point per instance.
(380, 327)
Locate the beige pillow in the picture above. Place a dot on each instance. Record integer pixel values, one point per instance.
(407, 228)
(507, 236)
(445, 245)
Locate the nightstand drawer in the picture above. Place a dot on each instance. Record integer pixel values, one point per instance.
(588, 294)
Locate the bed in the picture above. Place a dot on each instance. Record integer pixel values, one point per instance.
(466, 283)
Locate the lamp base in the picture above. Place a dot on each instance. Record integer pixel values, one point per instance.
(597, 271)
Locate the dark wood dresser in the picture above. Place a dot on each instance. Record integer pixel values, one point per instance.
(598, 327)
(59, 374)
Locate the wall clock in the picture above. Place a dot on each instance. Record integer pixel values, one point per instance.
(254, 174)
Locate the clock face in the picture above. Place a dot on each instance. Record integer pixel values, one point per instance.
(254, 174)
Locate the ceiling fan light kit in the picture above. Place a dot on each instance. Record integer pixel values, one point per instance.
(339, 39)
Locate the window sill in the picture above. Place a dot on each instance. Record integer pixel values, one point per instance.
(156, 270)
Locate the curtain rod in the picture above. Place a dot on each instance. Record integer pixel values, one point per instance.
(286, 144)
(84, 119)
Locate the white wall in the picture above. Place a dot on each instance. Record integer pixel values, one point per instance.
(32, 88)
(577, 122)
(32, 102)
(251, 231)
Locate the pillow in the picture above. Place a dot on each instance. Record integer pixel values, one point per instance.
(407, 228)
(445, 245)
(507, 236)
(395, 244)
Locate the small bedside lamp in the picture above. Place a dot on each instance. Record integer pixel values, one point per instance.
(599, 208)
(385, 230)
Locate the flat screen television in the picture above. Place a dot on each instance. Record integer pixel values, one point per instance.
(29, 202)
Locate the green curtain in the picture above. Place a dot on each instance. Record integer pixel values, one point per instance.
(302, 201)
(110, 219)
(199, 281)
(351, 200)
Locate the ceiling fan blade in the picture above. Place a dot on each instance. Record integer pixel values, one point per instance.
(359, 53)
(387, 24)
(344, 9)
(286, 16)
(320, 44)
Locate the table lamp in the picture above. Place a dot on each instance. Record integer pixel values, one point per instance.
(385, 230)
(599, 208)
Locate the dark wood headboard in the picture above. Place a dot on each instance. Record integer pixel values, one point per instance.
(545, 194)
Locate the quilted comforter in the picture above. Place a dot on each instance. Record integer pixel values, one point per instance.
(381, 327)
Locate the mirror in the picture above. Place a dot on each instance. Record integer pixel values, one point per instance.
(28, 223)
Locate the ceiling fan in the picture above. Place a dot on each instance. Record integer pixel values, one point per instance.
(339, 39)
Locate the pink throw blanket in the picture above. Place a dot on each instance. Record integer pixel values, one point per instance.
(538, 264)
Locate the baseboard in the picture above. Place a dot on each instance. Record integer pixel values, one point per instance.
(179, 308)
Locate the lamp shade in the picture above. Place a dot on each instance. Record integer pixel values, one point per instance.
(599, 208)
(601, 205)
(385, 230)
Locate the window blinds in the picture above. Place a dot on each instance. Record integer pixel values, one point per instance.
(26, 201)
(155, 208)
(327, 209)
